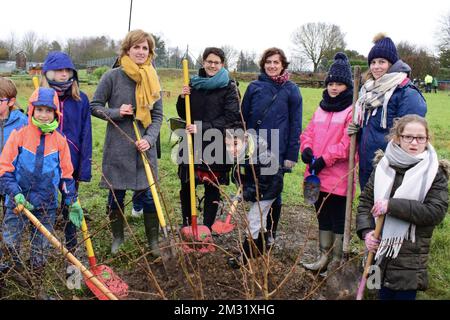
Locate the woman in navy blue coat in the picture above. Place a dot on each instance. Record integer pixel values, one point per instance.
(272, 106)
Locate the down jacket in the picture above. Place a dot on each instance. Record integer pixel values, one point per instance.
(408, 271)
(406, 99)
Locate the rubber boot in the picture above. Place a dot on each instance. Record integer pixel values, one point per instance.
(325, 244)
(272, 224)
(151, 225)
(116, 218)
(338, 247)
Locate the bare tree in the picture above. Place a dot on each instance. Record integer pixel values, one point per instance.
(420, 61)
(29, 43)
(12, 45)
(298, 63)
(443, 32)
(231, 55)
(315, 40)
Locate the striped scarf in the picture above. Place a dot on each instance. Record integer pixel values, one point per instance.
(375, 94)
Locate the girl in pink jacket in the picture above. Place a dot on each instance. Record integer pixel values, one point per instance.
(325, 140)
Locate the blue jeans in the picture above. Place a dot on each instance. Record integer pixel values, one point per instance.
(389, 294)
(13, 227)
(143, 197)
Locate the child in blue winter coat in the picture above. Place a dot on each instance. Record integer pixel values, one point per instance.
(34, 164)
(61, 75)
(11, 118)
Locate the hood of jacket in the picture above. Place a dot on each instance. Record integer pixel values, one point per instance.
(34, 97)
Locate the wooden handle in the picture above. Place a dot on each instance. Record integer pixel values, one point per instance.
(351, 168)
(371, 255)
(39, 226)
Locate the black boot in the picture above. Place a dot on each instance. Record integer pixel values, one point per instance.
(272, 223)
(117, 221)
(151, 225)
(251, 249)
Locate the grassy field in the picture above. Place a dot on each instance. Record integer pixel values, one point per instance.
(94, 198)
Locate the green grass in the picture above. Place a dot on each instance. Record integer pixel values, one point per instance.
(94, 199)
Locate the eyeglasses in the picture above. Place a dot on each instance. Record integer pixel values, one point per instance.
(216, 63)
(409, 139)
(4, 99)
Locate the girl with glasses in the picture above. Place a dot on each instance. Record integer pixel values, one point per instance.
(410, 187)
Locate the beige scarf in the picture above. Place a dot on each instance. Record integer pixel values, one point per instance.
(147, 87)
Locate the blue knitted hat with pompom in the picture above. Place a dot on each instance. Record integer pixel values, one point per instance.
(340, 71)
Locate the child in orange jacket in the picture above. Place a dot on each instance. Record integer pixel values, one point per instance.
(34, 164)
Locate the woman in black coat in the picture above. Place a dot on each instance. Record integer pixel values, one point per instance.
(214, 107)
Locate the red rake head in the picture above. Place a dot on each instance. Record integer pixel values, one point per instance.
(202, 244)
(107, 276)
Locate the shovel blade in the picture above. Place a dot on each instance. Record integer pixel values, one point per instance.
(107, 276)
(222, 227)
(311, 189)
(203, 243)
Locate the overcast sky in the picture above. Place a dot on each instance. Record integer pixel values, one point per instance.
(250, 25)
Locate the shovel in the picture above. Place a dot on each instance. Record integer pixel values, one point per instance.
(103, 273)
(311, 187)
(199, 236)
(58, 245)
(370, 256)
(166, 255)
(225, 226)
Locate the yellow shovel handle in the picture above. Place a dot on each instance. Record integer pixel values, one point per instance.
(39, 226)
(87, 239)
(189, 140)
(151, 182)
(35, 82)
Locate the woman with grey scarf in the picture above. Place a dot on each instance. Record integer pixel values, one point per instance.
(387, 94)
(409, 186)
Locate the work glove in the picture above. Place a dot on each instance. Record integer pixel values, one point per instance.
(288, 164)
(353, 129)
(20, 199)
(317, 166)
(76, 214)
(379, 208)
(371, 242)
(307, 156)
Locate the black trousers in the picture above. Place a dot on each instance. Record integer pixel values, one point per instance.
(211, 203)
(332, 214)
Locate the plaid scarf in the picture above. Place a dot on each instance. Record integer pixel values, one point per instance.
(376, 94)
(282, 78)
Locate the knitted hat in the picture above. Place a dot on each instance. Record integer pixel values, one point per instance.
(340, 71)
(384, 48)
(46, 97)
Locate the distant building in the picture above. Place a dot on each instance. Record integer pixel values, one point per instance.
(21, 60)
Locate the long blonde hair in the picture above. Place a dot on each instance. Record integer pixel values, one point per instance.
(75, 88)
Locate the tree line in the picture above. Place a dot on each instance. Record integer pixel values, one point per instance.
(314, 46)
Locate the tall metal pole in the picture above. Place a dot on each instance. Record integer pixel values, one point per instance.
(131, 10)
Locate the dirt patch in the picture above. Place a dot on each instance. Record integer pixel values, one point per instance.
(278, 275)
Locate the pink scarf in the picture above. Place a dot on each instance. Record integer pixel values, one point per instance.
(282, 78)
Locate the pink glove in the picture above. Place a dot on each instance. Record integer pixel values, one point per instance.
(379, 208)
(371, 242)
